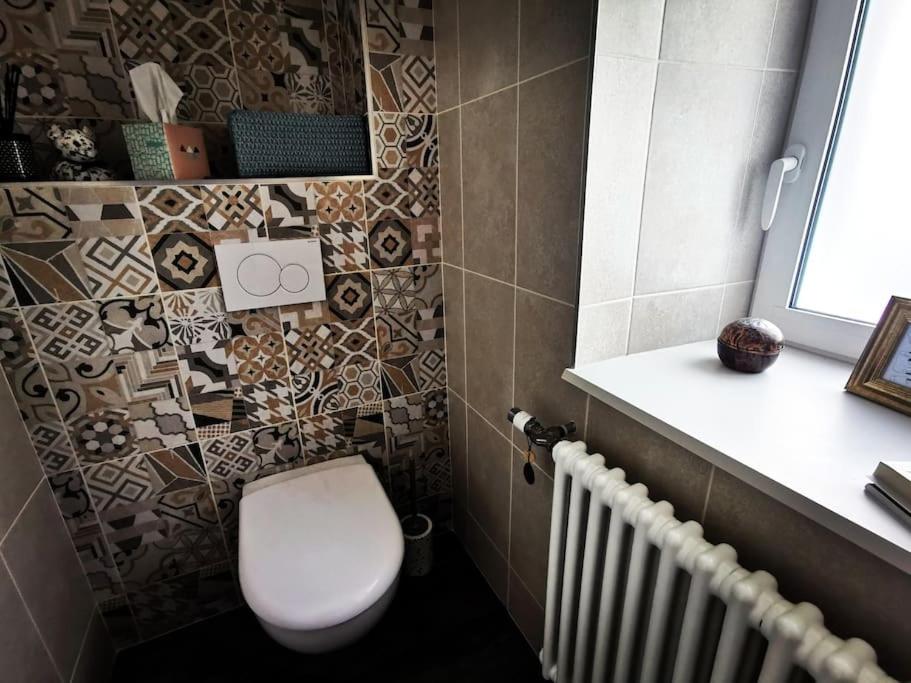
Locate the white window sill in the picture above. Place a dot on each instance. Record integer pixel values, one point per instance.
(792, 431)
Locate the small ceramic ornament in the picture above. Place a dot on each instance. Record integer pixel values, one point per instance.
(750, 344)
(77, 146)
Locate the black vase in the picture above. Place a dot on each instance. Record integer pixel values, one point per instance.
(17, 159)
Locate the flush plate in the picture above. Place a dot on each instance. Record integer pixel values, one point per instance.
(257, 274)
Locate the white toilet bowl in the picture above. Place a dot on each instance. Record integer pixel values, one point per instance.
(320, 552)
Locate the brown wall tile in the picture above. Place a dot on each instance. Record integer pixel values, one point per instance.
(551, 133)
(40, 556)
(543, 351)
(458, 449)
(563, 26)
(488, 46)
(488, 480)
(860, 595)
(489, 184)
(19, 469)
(97, 658)
(453, 301)
(485, 554)
(21, 650)
(530, 527)
(450, 186)
(446, 44)
(670, 472)
(489, 309)
(526, 612)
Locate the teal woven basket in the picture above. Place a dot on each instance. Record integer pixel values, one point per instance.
(277, 144)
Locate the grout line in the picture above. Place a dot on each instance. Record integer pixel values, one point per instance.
(527, 590)
(21, 510)
(518, 287)
(508, 438)
(515, 279)
(85, 637)
(28, 611)
(521, 81)
(690, 62)
(588, 402)
(648, 146)
(708, 493)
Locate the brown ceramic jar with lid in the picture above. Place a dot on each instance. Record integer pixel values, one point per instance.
(750, 344)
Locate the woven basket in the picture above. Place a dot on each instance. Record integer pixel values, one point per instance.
(277, 144)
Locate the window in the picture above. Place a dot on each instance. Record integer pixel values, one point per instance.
(840, 243)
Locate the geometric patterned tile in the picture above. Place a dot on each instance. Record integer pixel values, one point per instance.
(184, 260)
(337, 201)
(117, 266)
(343, 247)
(389, 196)
(135, 324)
(268, 402)
(421, 145)
(63, 332)
(390, 243)
(172, 208)
(233, 207)
(390, 132)
(101, 211)
(408, 374)
(103, 435)
(174, 603)
(210, 92)
(163, 423)
(32, 214)
(45, 272)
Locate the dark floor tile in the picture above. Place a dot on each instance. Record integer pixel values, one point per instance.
(445, 627)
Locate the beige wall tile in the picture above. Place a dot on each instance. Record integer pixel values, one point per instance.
(603, 331)
(734, 32)
(671, 319)
(622, 95)
(703, 119)
(789, 34)
(629, 27)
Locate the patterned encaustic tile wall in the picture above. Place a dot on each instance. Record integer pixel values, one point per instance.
(276, 55)
(149, 405)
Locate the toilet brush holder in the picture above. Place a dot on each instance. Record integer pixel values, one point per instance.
(417, 530)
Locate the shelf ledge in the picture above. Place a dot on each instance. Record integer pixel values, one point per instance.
(791, 432)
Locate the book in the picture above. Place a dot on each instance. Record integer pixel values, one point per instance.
(894, 478)
(897, 509)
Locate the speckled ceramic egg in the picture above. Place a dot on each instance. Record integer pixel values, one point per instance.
(750, 344)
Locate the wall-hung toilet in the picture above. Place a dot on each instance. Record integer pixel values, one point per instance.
(320, 552)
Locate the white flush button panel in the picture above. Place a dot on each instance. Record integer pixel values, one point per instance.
(258, 274)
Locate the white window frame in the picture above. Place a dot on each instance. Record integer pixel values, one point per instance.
(831, 43)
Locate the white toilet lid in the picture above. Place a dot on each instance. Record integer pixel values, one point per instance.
(318, 548)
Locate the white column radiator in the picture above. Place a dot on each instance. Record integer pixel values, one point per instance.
(634, 595)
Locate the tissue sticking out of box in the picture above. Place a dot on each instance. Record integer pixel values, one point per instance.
(156, 93)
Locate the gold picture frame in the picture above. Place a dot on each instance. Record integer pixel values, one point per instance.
(880, 360)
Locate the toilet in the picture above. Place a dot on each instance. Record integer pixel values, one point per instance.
(320, 552)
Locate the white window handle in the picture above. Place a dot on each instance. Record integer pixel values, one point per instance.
(783, 170)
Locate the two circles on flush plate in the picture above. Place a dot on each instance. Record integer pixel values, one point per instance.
(262, 275)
